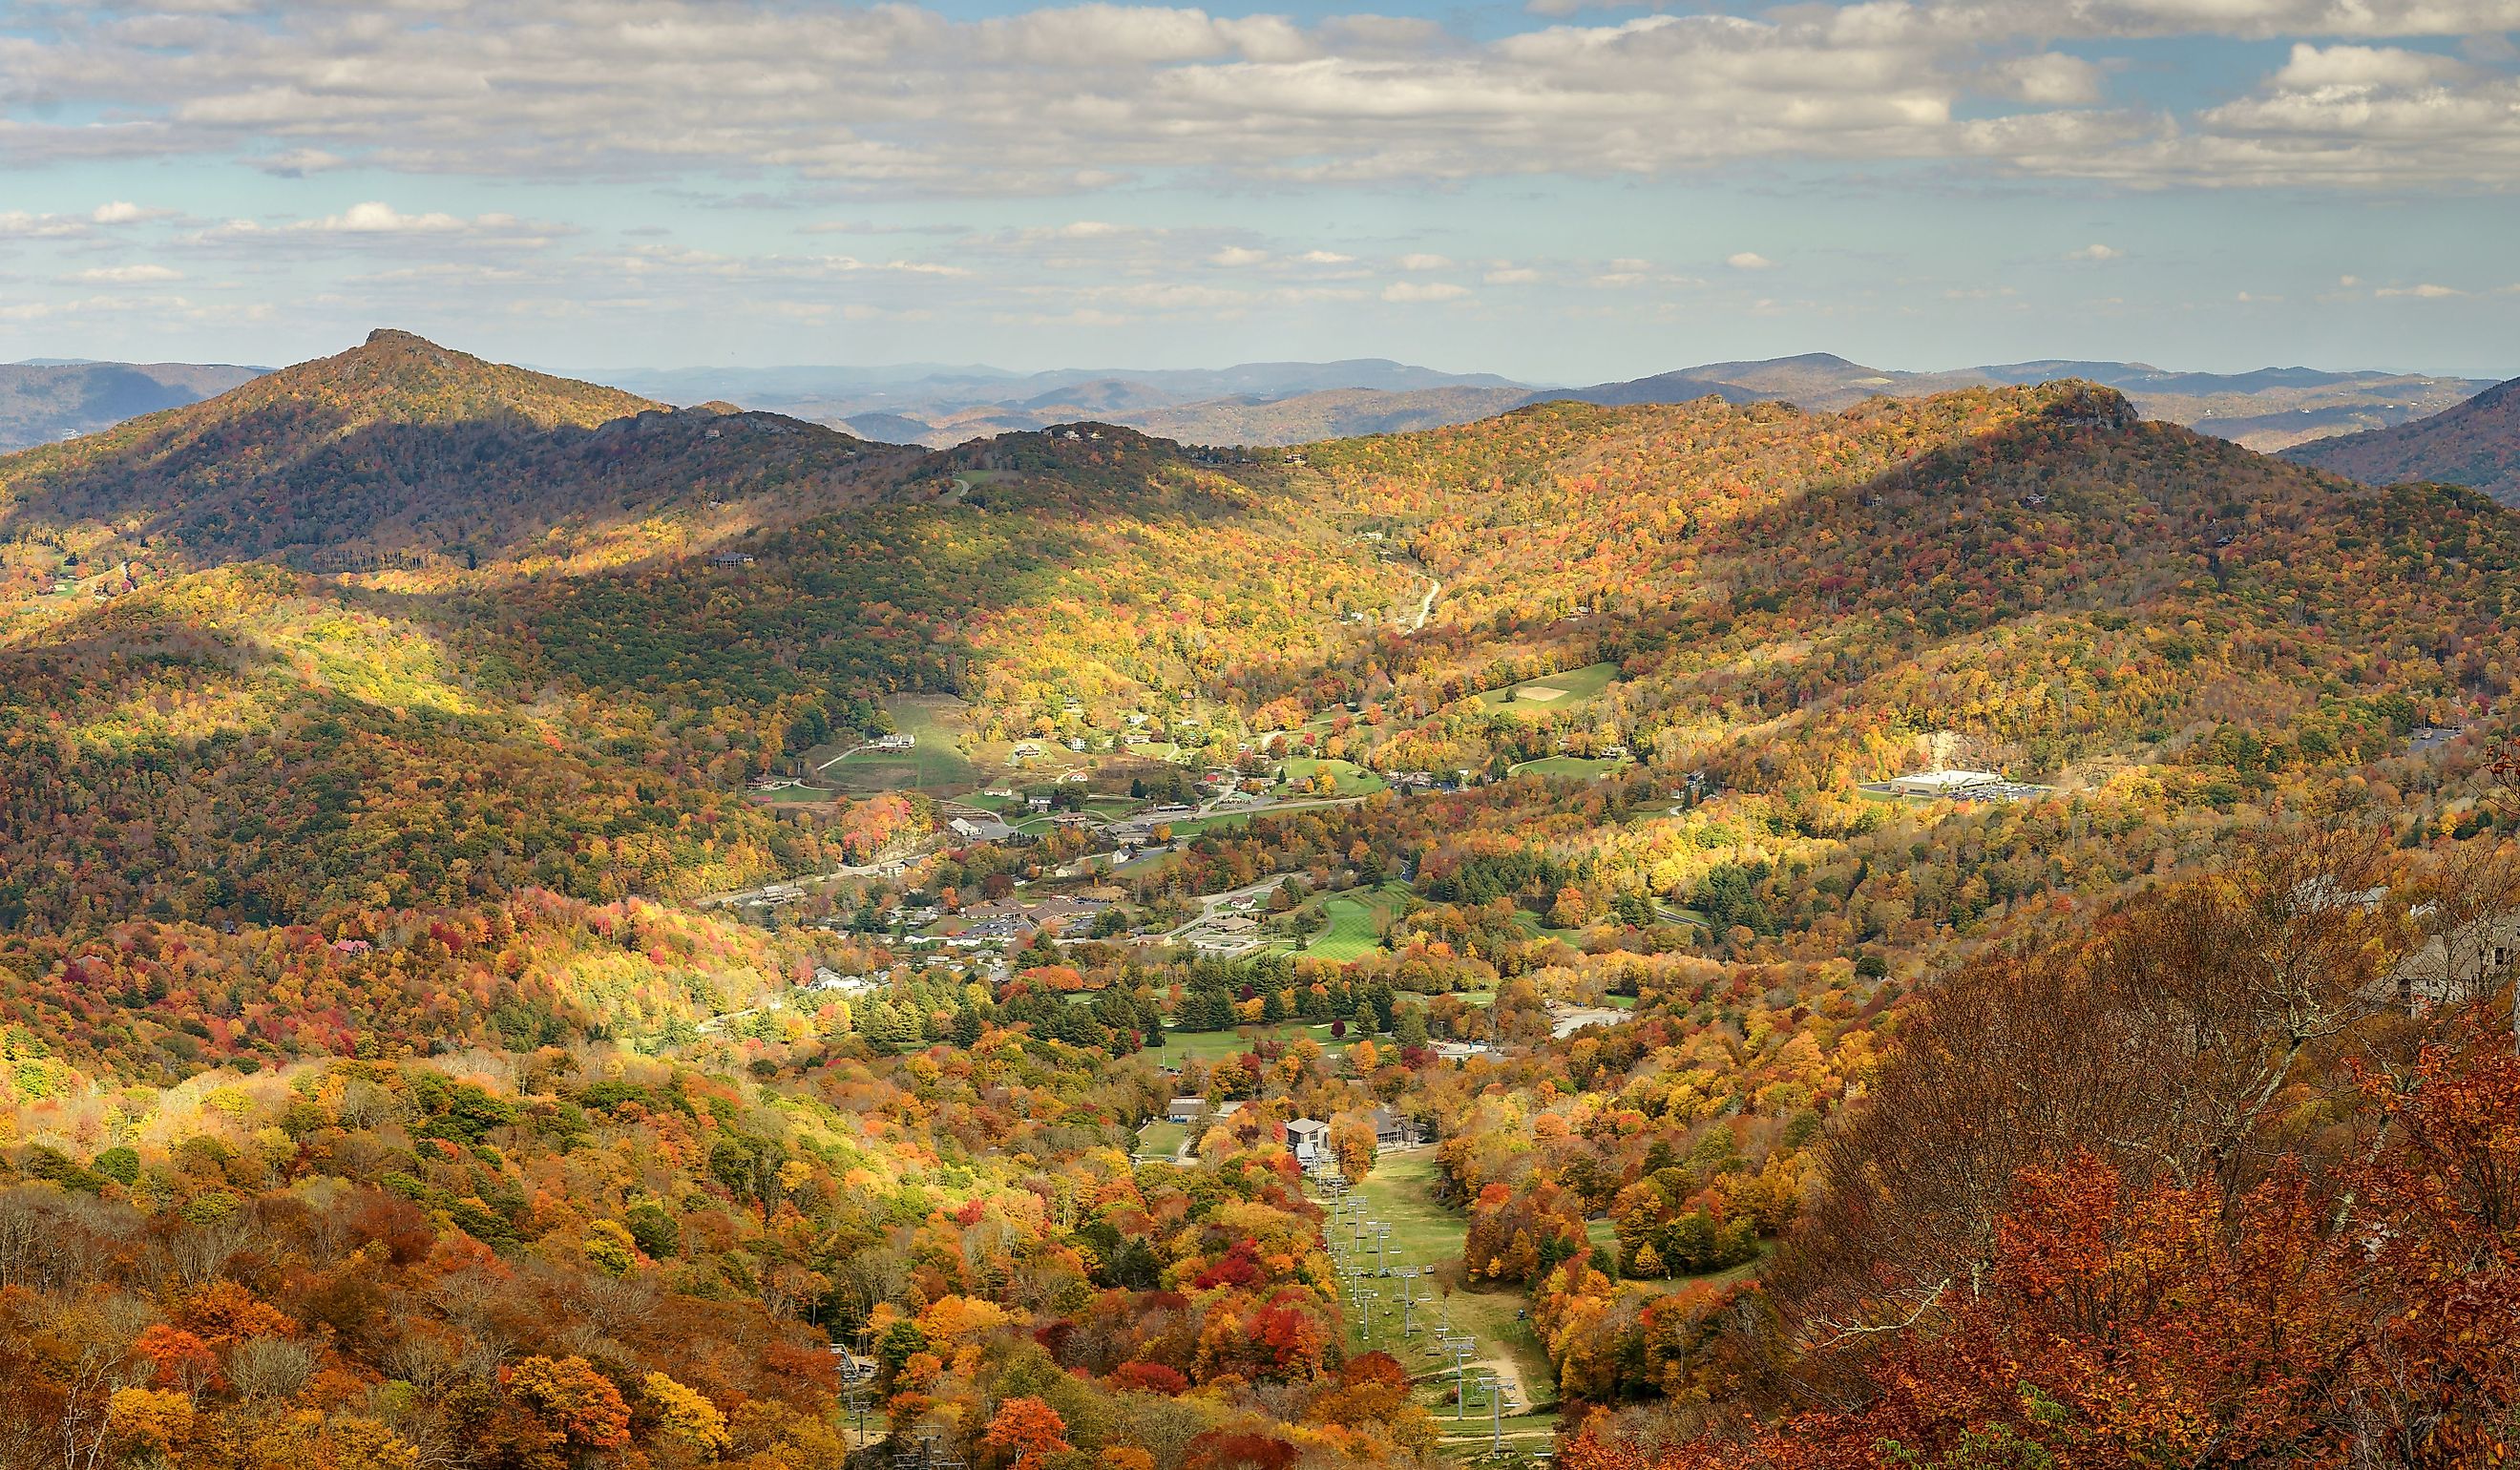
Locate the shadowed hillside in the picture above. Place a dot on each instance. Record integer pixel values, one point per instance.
(400, 445)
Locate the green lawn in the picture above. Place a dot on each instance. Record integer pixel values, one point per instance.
(807, 793)
(1192, 826)
(1209, 1046)
(1574, 687)
(935, 765)
(1590, 767)
(1356, 920)
(1347, 777)
(1160, 1138)
(1355, 930)
(1532, 924)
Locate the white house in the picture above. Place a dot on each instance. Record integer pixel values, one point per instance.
(1309, 1138)
(831, 980)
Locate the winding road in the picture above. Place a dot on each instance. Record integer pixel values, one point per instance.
(1426, 607)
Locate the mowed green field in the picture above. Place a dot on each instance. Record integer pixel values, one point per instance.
(1211, 1046)
(1192, 826)
(1356, 920)
(1574, 687)
(1589, 766)
(934, 765)
(1355, 930)
(1347, 777)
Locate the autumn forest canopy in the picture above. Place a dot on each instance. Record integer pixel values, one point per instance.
(542, 930)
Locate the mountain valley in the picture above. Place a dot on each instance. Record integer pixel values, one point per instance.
(540, 927)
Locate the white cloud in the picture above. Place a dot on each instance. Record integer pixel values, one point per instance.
(1519, 275)
(376, 217)
(128, 275)
(124, 212)
(2096, 252)
(2426, 291)
(1237, 257)
(1424, 290)
(559, 90)
(1423, 262)
(1749, 260)
(17, 224)
(2363, 67)
(2047, 79)
(298, 162)
(1326, 257)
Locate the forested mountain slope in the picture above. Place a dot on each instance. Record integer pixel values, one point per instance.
(1798, 597)
(402, 446)
(2476, 444)
(644, 616)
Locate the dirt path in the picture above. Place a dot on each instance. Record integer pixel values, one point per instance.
(1426, 607)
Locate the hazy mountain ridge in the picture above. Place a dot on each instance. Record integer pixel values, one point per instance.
(2264, 410)
(1283, 403)
(42, 402)
(2476, 444)
(1286, 404)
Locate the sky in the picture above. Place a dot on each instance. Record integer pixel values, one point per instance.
(1558, 190)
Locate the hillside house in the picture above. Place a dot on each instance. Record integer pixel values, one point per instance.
(1186, 1110)
(1309, 1138)
(2455, 968)
(831, 981)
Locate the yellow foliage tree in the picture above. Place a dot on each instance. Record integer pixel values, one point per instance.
(684, 1414)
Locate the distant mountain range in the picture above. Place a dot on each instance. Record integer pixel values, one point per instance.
(2476, 444)
(943, 406)
(940, 404)
(44, 400)
(1296, 403)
